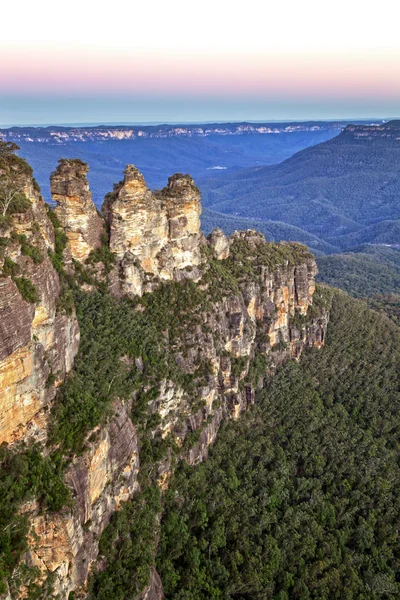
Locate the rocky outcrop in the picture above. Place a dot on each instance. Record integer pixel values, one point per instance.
(37, 343)
(255, 312)
(154, 591)
(271, 319)
(75, 208)
(155, 236)
(66, 543)
(219, 243)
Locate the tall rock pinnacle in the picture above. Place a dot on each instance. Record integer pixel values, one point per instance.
(75, 209)
(136, 220)
(153, 234)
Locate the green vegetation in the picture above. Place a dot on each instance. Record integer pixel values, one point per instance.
(390, 305)
(60, 241)
(245, 262)
(27, 249)
(149, 328)
(301, 497)
(65, 301)
(25, 474)
(4, 242)
(14, 172)
(10, 267)
(371, 272)
(129, 543)
(365, 272)
(27, 289)
(103, 255)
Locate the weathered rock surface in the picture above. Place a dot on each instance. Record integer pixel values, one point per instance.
(75, 208)
(101, 479)
(259, 320)
(35, 339)
(154, 590)
(155, 236)
(219, 243)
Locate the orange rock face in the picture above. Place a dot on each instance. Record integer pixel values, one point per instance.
(66, 543)
(75, 208)
(154, 235)
(35, 339)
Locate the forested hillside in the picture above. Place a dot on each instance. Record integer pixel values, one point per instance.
(300, 498)
(364, 272)
(345, 190)
(371, 272)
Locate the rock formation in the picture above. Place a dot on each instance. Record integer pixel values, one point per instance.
(75, 208)
(155, 236)
(66, 543)
(219, 243)
(37, 343)
(259, 308)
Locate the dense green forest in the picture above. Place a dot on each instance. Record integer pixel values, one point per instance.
(371, 272)
(301, 497)
(364, 272)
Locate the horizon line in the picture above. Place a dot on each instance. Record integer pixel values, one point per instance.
(195, 122)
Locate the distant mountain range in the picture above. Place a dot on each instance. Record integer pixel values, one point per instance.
(159, 150)
(336, 184)
(345, 191)
(61, 135)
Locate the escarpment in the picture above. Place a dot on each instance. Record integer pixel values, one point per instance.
(38, 341)
(75, 208)
(176, 336)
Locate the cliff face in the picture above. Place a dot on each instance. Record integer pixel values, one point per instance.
(66, 543)
(266, 316)
(253, 309)
(65, 135)
(154, 236)
(75, 208)
(36, 341)
(383, 132)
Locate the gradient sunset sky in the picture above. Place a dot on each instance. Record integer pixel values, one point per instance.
(214, 60)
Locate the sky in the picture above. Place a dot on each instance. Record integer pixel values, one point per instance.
(215, 60)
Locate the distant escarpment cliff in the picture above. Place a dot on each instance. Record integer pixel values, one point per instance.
(62, 135)
(126, 339)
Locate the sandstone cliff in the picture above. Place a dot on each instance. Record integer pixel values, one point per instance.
(253, 306)
(75, 208)
(239, 336)
(155, 236)
(38, 343)
(65, 544)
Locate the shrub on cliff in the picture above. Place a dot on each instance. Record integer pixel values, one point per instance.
(13, 176)
(27, 289)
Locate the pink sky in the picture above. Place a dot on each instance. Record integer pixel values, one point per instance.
(268, 60)
(83, 71)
